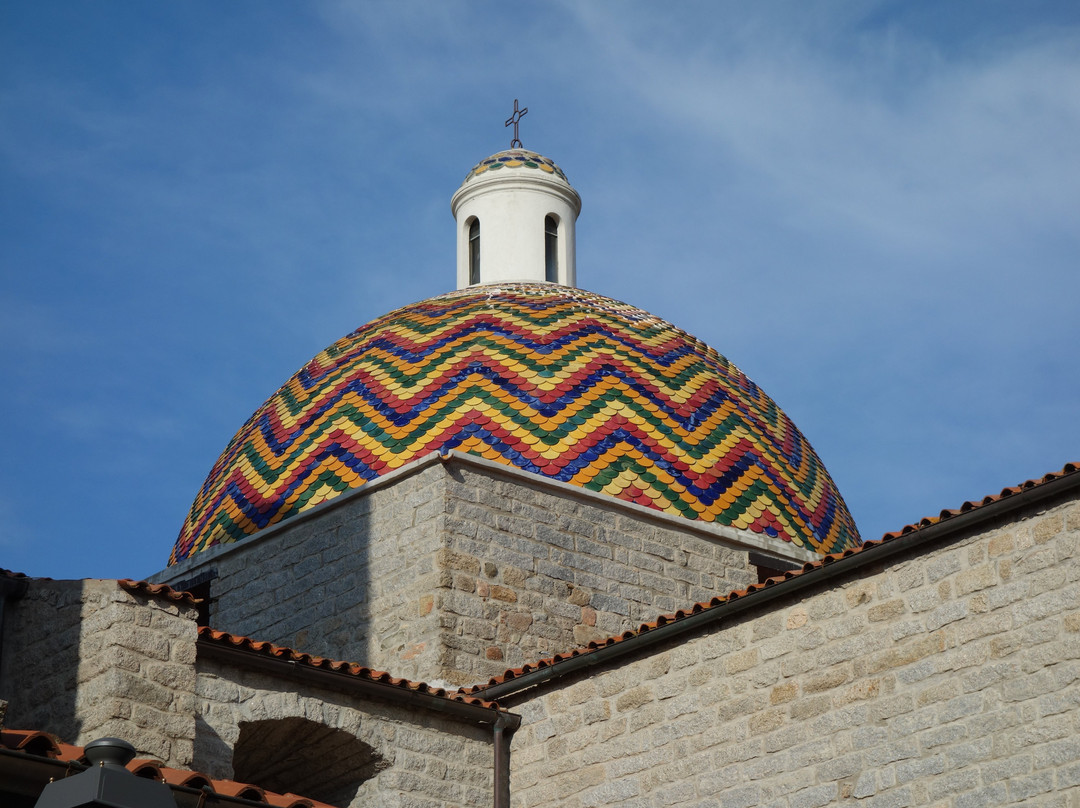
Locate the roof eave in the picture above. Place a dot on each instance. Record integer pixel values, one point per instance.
(826, 570)
(340, 679)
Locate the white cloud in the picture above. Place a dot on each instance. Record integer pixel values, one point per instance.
(874, 218)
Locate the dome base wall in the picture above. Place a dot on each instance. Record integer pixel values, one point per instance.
(452, 570)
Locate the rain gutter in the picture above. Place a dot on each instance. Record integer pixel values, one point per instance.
(825, 570)
(327, 677)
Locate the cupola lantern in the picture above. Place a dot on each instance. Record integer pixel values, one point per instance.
(515, 215)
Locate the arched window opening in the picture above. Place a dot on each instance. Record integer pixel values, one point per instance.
(551, 249)
(304, 757)
(474, 251)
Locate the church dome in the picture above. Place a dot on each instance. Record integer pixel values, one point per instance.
(514, 158)
(551, 379)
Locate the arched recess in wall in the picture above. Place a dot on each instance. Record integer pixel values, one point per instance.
(301, 756)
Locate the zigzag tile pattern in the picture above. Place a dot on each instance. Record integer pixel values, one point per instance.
(553, 380)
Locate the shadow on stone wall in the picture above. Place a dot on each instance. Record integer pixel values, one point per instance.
(304, 757)
(352, 579)
(40, 666)
(87, 659)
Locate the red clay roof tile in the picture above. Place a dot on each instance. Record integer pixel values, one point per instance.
(288, 801)
(46, 745)
(32, 742)
(244, 791)
(514, 673)
(69, 752)
(1069, 468)
(159, 591)
(137, 587)
(150, 769)
(181, 777)
(208, 634)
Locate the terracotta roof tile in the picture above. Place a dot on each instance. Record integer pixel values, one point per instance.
(244, 791)
(136, 587)
(159, 591)
(181, 777)
(970, 505)
(288, 801)
(291, 800)
(33, 742)
(46, 745)
(514, 673)
(351, 668)
(150, 769)
(68, 751)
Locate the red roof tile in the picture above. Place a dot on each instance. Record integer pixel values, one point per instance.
(208, 634)
(159, 591)
(137, 587)
(191, 779)
(289, 801)
(32, 742)
(1027, 485)
(46, 745)
(244, 791)
(514, 673)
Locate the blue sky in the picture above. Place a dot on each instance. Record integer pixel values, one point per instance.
(872, 208)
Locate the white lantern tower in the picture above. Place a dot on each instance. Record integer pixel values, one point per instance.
(515, 214)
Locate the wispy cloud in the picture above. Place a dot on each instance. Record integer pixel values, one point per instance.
(899, 142)
(869, 206)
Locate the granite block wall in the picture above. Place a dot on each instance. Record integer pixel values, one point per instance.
(534, 572)
(455, 572)
(417, 759)
(947, 678)
(87, 659)
(320, 584)
(39, 659)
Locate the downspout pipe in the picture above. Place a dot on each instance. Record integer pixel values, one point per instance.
(503, 733)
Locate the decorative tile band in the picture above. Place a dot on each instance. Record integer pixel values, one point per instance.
(515, 158)
(551, 379)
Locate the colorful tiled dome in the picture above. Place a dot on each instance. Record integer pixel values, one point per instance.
(551, 379)
(515, 158)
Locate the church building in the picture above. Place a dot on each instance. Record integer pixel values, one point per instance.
(521, 544)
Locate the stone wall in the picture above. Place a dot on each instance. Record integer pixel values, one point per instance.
(418, 759)
(319, 583)
(947, 678)
(534, 572)
(39, 660)
(458, 570)
(86, 659)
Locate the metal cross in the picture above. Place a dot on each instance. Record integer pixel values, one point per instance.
(515, 119)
